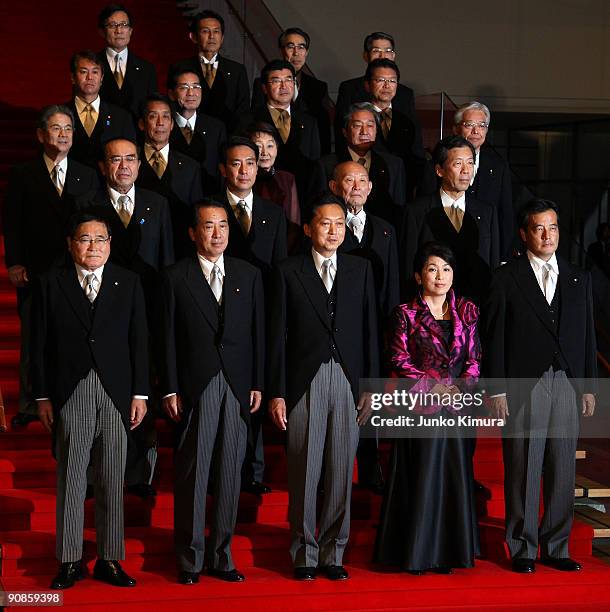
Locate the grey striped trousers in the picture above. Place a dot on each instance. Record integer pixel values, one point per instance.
(90, 427)
(321, 427)
(547, 451)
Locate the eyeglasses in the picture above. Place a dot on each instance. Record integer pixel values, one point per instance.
(382, 50)
(117, 159)
(277, 81)
(98, 240)
(382, 81)
(121, 25)
(482, 125)
(56, 129)
(187, 86)
(298, 46)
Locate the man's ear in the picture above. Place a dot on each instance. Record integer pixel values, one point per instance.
(307, 230)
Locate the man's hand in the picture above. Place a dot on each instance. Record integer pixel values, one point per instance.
(498, 407)
(138, 411)
(173, 407)
(18, 275)
(363, 408)
(255, 400)
(588, 404)
(277, 410)
(45, 413)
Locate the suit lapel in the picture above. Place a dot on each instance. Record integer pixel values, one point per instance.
(569, 288)
(68, 283)
(108, 293)
(202, 294)
(43, 179)
(343, 280)
(314, 288)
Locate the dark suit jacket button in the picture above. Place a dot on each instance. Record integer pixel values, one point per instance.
(221, 346)
(332, 314)
(336, 329)
(332, 347)
(92, 340)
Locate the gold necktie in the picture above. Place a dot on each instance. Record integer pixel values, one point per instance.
(283, 124)
(243, 217)
(188, 133)
(123, 211)
(55, 178)
(118, 75)
(210, 74)
(362, 161)
(386, 122)
(158, 163)
(456, 216)
(90, 117)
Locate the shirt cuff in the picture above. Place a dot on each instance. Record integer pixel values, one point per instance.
(168, 395)
(142, 397)
(42, 399)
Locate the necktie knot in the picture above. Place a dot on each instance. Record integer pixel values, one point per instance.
(216, 282)
(187, 130)
(355, 225)
(327, 274)
(209, 72)
(124, 210)
(158, 163)
(362, 161)
(283, 123)
(91, 287)
(89, 118)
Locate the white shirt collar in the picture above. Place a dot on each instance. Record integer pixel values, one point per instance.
(50, 164)
(111, 55)
(361, 216)
(448, 201)
(204, 60)
(249, 200)
(149, 152)
(81, 104)
(380, 110)
(83, 273)
(318, 260)
(115, 195)
(274, 108)
(537, 263)
(182, 121)
(207, 265)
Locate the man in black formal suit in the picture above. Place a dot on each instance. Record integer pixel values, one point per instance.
(196, 134)
(43, 189)
(90, 381)
(258, 235)
(310, 94)
(168, 172)
(397, 131)
(129, 78)
(378, 45)
(95, 119)
(322, 340)
(451, 216)
(213, 351)
(299, 143)
(374, 239)
(538, 325)
(386, 171)
(226, 93)
(492, 177)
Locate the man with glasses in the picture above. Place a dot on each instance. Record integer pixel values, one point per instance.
(90, 381)
(43, 189)
(226, 93)
(377, 45)
(196, 134)
(310, 94)
(132, 77)
(492, 177)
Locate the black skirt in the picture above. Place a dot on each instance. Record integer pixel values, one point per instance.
(428, 516)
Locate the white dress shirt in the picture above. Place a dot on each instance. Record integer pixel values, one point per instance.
(361, 216)
(149, 151)
(62, 168)
(448, 201)
(538, 268)
(233, 200)
(213, 61)
(115, 195)
(318, 260)
(111, 56)
(81, 104)
(182, 122)
(207, 265)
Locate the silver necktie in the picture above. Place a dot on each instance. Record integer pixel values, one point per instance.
(56, 178)
(216, 283)
(327, 275)
(356, 226)
(546, 282)
(90, 287)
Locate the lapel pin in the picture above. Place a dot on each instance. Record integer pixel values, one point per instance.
(179, 163)
(148, 208)
(228, 74)
(385, 233)
(137, 67)
(575, 280)
(491, 171)
(116, 283)
(203, 132)
(77, 179)
(264, 221)
(478, 218)
(142, 221)
(237, 290)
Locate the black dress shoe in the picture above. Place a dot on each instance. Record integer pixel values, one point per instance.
(255, 487)
(563, 565)
(21, 419)
(441, 570)
(68, 574)
(141, 490)
(112, 573)
(228, 576)
(334, 572)
(524, 566)
(304, 573)
(188, 577)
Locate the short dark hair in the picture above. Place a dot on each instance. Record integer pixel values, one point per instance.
(153, 97)
(360, 106)
(108, 11)
(236, 141)
(207, 14)
(381, 62)
(52, 109)
(533, 207)
(264, 128)
(94, 214)
(106, 142)
(323, 199)
(368, 41)
(172, 77)
(205, 203)
(276, 64)
(86, 54)
(282, 38)
(433, 249)
(442, 148)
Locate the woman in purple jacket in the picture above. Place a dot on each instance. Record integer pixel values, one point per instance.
(428, 516)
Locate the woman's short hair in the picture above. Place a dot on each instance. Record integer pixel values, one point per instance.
(433, 249)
